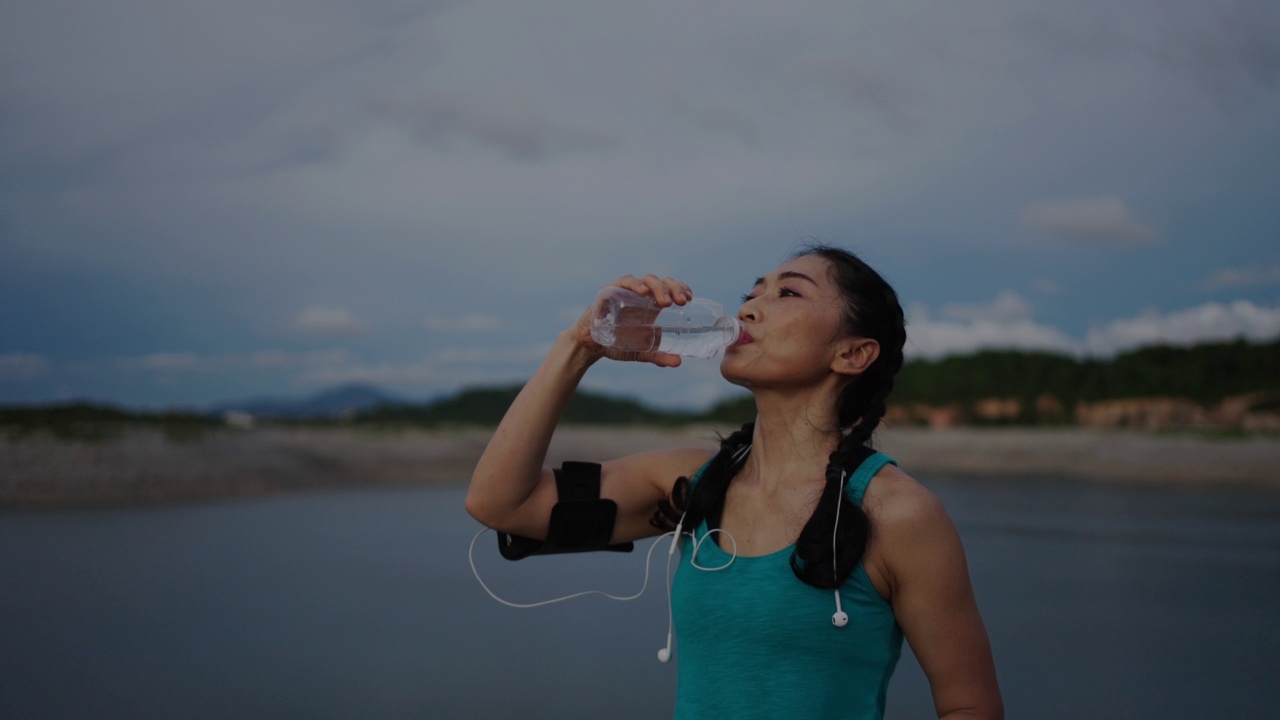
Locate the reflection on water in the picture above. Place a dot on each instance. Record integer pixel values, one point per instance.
(1102, 600)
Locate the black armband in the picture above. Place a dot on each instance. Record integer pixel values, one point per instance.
(581, 521)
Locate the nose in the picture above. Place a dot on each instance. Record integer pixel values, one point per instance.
(747, 311)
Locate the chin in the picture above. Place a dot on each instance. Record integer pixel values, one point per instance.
(731, 371)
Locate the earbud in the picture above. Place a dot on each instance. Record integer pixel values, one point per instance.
(664, 654)
(840, 618)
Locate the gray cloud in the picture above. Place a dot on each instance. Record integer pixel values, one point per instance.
(1231, 278)
(1203, 323)
(513, 122)
(1103, 220)
(329, 321)
(470, 322)
(1226, 51)
(970, 332)
(1008, 306)
(21, 367)
(239, 160)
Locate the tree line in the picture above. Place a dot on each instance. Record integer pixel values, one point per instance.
(1204, 374)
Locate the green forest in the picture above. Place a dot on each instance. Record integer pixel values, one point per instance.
(1204, 374)
(1029, 388)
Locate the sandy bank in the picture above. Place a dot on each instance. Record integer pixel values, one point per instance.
(145, 465)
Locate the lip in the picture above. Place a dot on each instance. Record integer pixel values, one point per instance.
(744, 338)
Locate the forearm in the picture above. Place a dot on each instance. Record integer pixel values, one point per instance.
(508, 471)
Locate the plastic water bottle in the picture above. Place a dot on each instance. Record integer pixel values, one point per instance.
(626, 321)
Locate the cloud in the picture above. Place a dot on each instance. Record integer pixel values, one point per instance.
(716, 116)
(1003, 323)
(1211, 322)
(263, 360)
(451, 367)
(1006, 323)
(277, 359)
(1099, 220)
(1229, 278)
(162, 362)
(421, 373)
(934, 339)
(1046, 286)
(511, 121)
(329, 321)
(1007, 307)
(473, 323)
(20, 367)
(407, 149)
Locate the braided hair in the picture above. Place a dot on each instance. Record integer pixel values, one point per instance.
(872, 311)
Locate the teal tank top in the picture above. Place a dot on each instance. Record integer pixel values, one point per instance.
(753, 641)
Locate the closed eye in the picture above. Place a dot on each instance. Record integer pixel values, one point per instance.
(782, 292)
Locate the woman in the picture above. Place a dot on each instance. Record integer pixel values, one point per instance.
(805, 517)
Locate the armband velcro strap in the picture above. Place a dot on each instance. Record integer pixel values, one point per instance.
(581, 521)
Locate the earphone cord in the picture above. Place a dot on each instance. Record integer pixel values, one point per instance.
(648, 557)
(836, 527)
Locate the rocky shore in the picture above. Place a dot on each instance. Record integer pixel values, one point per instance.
(142, 465)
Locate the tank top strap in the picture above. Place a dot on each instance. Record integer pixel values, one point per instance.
(693, 480)
(867, 469)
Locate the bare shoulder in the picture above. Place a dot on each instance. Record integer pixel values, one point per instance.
(908, 520)
(895, 500)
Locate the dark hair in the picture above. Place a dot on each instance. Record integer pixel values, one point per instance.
(871, 311)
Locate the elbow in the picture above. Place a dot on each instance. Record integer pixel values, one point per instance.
(487, 508)
(479, 509)
(492, 505)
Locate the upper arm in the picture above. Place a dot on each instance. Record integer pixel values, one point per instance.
(934, 603)
(636, 483)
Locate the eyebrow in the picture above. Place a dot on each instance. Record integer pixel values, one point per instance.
(786, 275)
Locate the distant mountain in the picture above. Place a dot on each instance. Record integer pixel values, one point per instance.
(347, 399)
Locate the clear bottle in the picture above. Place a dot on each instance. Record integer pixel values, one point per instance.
(624, 320)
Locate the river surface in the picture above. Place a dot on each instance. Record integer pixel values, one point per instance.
(1103, 600)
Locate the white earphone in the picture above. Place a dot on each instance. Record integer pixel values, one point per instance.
(665, 653)
(840, 618)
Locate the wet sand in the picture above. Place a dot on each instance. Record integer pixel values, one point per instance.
(141, 465)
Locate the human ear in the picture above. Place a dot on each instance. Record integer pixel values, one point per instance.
(856, 355)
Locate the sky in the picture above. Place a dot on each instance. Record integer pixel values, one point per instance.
(203, 202)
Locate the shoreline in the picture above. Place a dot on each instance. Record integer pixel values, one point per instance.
(142, 465)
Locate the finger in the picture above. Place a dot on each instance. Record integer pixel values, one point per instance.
(664, 359)
(667, 291)
(658, 288)
(657, 358)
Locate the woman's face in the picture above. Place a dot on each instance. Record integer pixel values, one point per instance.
(792, 323)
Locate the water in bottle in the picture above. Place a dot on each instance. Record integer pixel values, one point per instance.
(624, 320)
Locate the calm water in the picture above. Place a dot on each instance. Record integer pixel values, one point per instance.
(1102, 600)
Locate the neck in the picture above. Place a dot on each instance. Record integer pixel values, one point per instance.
(794, 435)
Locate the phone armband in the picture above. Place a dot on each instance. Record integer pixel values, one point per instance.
(581, 520)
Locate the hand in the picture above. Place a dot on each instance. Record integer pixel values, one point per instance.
(664, 291)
